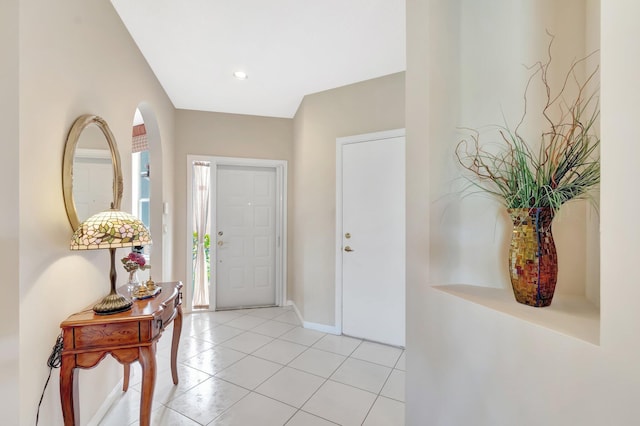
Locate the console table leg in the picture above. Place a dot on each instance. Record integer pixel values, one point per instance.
(148, 363)
(69, 390)
(125, 379)
(175, 340)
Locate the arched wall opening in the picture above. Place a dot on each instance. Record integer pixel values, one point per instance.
(157, 210)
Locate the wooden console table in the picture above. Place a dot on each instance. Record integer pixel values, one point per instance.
(127, 336)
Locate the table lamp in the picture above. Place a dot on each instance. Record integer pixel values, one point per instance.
(111, 229)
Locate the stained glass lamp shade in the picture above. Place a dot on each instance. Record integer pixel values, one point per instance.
(111, 229)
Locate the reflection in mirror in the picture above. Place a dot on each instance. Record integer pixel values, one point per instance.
(91, 173)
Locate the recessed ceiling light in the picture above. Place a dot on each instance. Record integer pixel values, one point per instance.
(240, 75)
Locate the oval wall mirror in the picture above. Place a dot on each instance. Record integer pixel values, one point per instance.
(91, 173)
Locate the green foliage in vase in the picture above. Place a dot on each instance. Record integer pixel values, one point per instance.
(566, 166)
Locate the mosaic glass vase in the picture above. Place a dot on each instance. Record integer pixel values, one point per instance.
(533, 262)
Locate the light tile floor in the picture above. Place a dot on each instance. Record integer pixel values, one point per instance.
(260, 367)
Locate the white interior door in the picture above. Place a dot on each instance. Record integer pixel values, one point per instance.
(245, 248)
(373, 240)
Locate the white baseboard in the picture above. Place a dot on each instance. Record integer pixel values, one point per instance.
(295, 309)
(331, 329)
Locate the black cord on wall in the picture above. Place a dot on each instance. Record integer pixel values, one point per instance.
(54, 361)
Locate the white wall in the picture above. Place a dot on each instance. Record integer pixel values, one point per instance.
(365, 107)
(75, 57)
(431, 107)
(470, 364)
(497, 39)
(620, 174)
(592, 279)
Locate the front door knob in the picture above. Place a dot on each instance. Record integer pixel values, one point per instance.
(347, 248)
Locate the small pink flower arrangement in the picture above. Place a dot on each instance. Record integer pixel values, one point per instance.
(134, 261)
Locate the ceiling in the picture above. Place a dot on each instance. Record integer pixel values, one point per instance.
(288, 48)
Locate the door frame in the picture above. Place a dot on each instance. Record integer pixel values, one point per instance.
(340, 143)
(280, 167)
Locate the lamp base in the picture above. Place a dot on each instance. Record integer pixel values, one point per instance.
(112, 304)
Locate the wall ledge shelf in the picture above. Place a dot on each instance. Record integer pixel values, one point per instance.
(571, 315)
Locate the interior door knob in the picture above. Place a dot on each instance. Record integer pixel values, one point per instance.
(348, 248)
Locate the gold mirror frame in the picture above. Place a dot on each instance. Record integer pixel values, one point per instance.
(67, 165)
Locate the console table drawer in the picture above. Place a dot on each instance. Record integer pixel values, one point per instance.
(169, 311)
(105, 335)
(129, 336)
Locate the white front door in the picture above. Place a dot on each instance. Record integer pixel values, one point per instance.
(373, 239)
(245, 247)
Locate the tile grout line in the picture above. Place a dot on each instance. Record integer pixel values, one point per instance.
(326, 379)
(250, 392)
(259, 384)
(281, 366)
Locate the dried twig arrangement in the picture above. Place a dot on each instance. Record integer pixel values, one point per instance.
(567, 164)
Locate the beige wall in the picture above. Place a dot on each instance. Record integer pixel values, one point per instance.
(75, 57)
(470, 364)
(79, 59)
(366, 107)
(9, 214)
(226, 135)
(296, 264)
